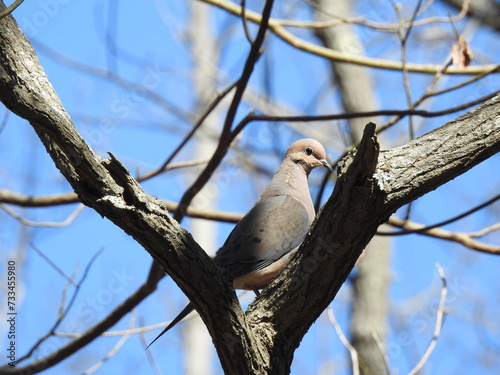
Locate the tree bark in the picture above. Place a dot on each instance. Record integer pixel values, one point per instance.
(370, 188)
(369, 305)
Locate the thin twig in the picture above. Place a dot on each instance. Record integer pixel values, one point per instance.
(225, 139)
(381, 351)
(114, 350)
(30, 223)
(196, 126)
(439, 323)
(364, 22)
(403, 36)
(352, 350)
(10, 8)
(4, 120)
(244, 21)
(328, 53)
(445, 222)
(149, 354)
(461, 238)
(64, 313)
(342, 116)
(52, 264)
(483, 232)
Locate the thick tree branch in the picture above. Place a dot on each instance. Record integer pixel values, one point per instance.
(370, 187)
(108, 188)
(361, 202)
(466, 239)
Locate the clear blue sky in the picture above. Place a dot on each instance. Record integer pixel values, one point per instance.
(142, 133)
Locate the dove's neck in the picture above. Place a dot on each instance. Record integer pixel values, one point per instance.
(291, 179)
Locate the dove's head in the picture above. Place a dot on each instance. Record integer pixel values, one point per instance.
(309, 154)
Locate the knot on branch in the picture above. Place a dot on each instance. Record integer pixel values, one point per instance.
(131, 191)
(364, 161)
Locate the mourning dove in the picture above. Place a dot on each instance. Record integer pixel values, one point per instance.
(261, 244)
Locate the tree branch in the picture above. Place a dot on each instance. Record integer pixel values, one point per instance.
(277, 28)
(369, 189)
(361, 202)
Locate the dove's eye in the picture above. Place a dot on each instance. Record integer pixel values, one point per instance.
(308, 150)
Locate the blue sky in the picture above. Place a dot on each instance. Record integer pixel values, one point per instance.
(141, 133)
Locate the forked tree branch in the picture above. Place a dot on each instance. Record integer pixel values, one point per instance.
(369, 189)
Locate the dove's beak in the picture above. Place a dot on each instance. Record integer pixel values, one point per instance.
(326, 165)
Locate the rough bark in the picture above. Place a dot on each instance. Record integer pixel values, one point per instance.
(370, 188)
(369, 305)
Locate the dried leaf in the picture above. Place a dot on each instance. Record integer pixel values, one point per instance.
(461, 53)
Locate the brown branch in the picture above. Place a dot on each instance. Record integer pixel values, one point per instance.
(10, 197)
(371, 186)
(62, 312)
(10, 8)
(342, 116)
(462, 238)
(277, 28)
(196, 126)
(225, 139)
(442, 223)
(22, 200)
(52, 224)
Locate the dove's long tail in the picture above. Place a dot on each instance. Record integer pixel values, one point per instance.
(177, 319)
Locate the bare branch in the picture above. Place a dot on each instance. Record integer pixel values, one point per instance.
(439, 324)
(244, 21)
(363, 21)
(277, 28)
(151, 359)
(484, 231)
(381, 351)
(225, 138)
(52, 264)
(443, 223)
(11, 197)
(62, 313)
(30, 223)
(197, 125)
(115, 348)
(462, 238)
(345, 342)
(10, 8)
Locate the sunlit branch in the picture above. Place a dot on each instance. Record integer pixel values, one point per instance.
(197, 125)
(115, 348)
(225, 137)
(363, 21)
(31, 223)
(352, 351)
(10, 8)
(461, 238)
(309, 47)
(442, 223)
(439, 324)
